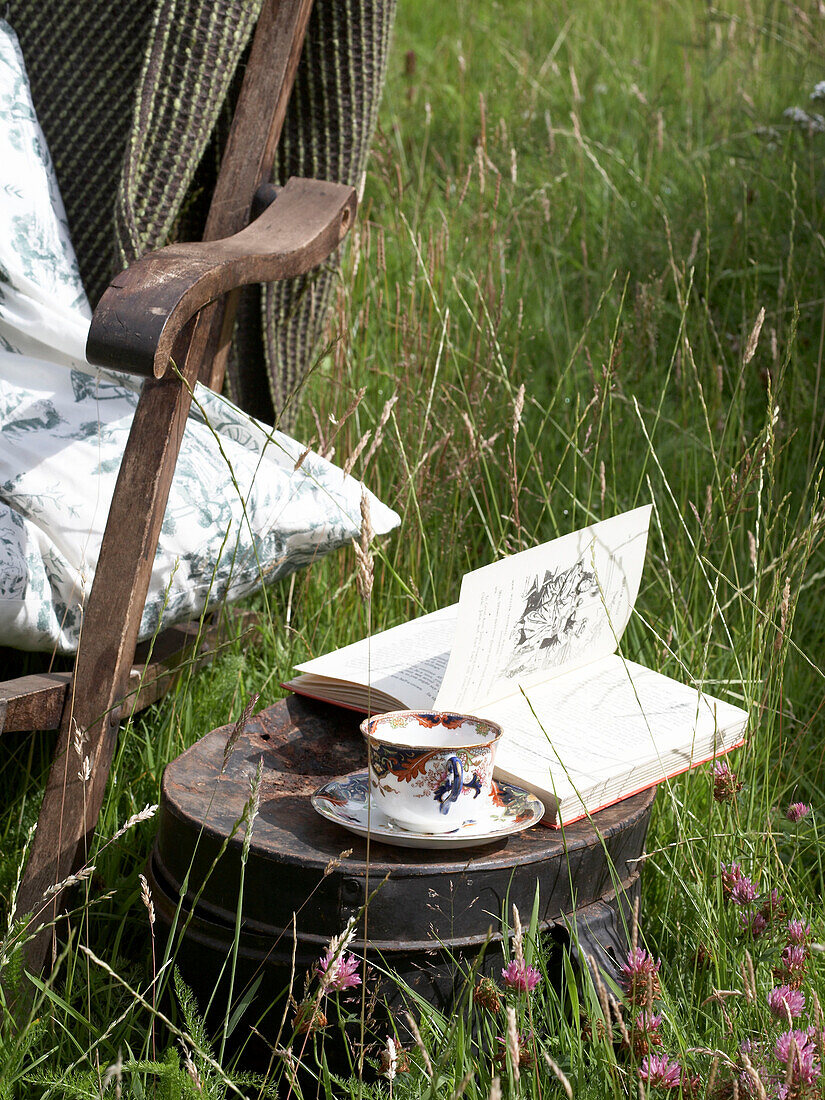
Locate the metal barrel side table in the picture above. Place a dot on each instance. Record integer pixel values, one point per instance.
(430, 912)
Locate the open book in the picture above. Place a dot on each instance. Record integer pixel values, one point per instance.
(532, 644)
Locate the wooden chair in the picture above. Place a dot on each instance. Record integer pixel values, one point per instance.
(176, 305)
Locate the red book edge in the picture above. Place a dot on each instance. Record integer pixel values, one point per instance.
(322, 699)
(645, 786)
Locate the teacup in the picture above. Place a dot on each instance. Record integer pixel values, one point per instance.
(430, 771)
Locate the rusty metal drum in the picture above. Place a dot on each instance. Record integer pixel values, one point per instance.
(430, 912)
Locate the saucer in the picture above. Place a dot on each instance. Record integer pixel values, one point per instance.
(508, 809)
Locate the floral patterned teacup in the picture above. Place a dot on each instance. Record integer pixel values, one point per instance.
(430, 771)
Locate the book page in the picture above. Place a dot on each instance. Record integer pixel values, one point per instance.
(407, 661)
(609, 728)
(545, 610)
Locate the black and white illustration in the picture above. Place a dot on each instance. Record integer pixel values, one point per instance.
(555, 615)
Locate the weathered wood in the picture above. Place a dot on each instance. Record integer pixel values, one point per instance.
(302, 226)
(253, 137)
(36, 702)
(259, 114)
(74, 793)
(144, 309)
(33, 702)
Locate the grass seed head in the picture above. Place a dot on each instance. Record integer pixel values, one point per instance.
(191, 1068)
(82, 875)
(78, 739)
(253, 805)
(146, 898)
(513, 1044)
(239, 726)
(753, 339)
(560, 1076)
(752, 548)
(389, 1059)
(363, 555)
(419, 1042)
(518, 936)
(114, 1073)
(379, 428)
(518, 410)
(356, 454)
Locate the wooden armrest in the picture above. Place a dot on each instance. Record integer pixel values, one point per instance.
(144, 309)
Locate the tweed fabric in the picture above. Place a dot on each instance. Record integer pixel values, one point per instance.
(329, 127)
(135, 100)
(194, 49)
(83, 61)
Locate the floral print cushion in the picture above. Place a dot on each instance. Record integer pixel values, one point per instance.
(239, 513)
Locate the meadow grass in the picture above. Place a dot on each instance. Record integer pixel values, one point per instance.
(599, 211)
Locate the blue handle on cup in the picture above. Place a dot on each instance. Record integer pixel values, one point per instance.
(455, 784)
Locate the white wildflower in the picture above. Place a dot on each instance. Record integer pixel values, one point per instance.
(813, 123)
(796, 114)
(391, 1059)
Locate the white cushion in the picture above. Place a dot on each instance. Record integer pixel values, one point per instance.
(238, 514)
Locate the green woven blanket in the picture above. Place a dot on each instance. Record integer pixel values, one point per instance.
(135, 99)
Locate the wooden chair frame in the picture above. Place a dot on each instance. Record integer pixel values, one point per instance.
(168, 317)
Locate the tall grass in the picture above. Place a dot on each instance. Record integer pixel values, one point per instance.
(602, 212)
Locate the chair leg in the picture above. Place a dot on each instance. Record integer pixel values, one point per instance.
(75, 789)
(88, 729)
(68, 816)
(71, 803)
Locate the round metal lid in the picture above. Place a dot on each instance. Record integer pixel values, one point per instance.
(299, 863)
